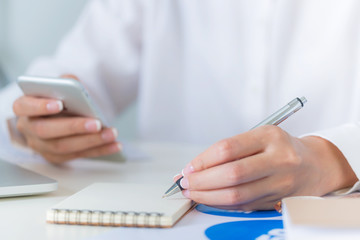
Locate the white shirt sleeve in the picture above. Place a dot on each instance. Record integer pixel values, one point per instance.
(103, 50)
(347, 139)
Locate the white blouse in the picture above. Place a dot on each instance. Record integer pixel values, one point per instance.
(206, 70)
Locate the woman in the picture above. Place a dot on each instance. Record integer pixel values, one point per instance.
(205, 73)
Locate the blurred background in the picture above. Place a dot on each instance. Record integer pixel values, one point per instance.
(29, 29)
(32, 28)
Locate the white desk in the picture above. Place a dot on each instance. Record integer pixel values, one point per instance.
(24, 217)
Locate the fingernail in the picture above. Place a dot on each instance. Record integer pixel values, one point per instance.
(188, 169)
(115, 148)
(115, 132)
(184, 183)
(186, 193)
(93, 125)
(120, 146)
(109, 134)
(55, 106)
(176, 177)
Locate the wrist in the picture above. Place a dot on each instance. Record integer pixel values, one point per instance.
(336, 173)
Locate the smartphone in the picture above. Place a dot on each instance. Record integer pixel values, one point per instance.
(71, 92)
(74, 96)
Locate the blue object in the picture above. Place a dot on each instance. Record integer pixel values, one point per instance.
(230, 213)
(267, 229)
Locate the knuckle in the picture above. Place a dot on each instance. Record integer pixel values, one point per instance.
(273, 132)
(234, 197)
(57, 147)
(39, 129)
(235, 174)
(224, 149)
(291, 158)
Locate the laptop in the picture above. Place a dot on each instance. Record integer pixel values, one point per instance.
(18, 181)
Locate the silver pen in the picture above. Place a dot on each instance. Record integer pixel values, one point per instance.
(274, 119)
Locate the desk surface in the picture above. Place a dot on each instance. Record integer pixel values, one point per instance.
(21, 216)
(24, 217)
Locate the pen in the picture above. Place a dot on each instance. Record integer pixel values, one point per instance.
(274, 119)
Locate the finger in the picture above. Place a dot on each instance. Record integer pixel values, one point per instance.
(266, 203)
(229, 149)
(73, 144)
(238, 195)
(48, 128)
(177, 177)
(32, 106)
(230, 174)
(95, 152)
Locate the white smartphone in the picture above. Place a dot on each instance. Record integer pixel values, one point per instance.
(72, 93)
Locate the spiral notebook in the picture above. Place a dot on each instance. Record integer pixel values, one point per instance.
(119, 204)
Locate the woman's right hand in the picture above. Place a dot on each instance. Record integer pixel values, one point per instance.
(61, 138)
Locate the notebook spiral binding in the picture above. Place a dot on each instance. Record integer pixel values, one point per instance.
(106, 218)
